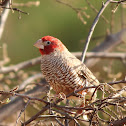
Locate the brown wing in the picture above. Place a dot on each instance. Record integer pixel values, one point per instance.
(88, 75)
(83, 72)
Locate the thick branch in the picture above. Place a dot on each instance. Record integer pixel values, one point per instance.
(20, 66)
(107, 55)
(3, 17)
(110, 42)
(35, 61)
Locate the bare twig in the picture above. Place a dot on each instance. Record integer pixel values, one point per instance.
(94, 9)
(23, 96)
(119, 2)
(15, 9)
(117, 82)
(92, 29)
(57, 120)
(75, 108)
(80, 11)
(22, 112)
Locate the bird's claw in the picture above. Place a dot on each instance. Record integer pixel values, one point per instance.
(61, 95)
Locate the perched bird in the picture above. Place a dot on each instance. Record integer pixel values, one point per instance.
(62, 70)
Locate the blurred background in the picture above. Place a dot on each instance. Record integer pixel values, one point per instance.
(68, 20)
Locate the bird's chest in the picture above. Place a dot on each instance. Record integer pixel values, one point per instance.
(59, 74)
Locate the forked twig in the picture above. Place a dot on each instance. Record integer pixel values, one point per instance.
(21, 112)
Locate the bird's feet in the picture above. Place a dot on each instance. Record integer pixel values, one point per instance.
(61, 95)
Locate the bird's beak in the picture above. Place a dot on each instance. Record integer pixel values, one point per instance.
(39, 44)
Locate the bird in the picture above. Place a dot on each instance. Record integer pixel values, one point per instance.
(62, 70)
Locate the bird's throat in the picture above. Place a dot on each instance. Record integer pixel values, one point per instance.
(41, 51)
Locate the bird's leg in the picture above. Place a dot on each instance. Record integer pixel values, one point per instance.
(84, 102)
(78, 94)
(61, 95)
(49, 100)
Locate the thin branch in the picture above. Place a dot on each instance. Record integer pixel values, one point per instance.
(14, 9)
(36, 115)
(22, 112)
(117, 82)
(92, 29)
(23, 96)
(94, 9)
(57, 120)
(74, 108)
(80, 11)
(118, 2)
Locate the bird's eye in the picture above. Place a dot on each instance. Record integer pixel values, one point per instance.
(48, 42)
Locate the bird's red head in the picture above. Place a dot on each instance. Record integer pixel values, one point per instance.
(48, 44)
